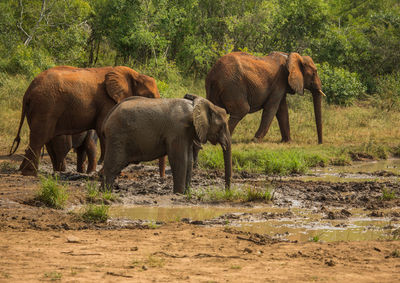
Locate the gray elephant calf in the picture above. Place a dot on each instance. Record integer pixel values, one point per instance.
(143, 129)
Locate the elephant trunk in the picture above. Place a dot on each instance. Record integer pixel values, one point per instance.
(226, 148)
(317, 99)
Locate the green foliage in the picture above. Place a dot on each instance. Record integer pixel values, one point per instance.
(96, 196)
(388, 194)
(340, 86)
(235, 194)
(95, 213)
(388, 88)
(51, 192)
(355, 41)
(280, 162)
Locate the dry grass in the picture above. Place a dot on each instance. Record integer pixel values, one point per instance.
(360, 128)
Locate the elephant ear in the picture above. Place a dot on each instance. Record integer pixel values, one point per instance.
(119, 84)
(200, 119)
(296, 80)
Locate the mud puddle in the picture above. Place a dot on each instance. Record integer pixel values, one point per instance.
(296, 224)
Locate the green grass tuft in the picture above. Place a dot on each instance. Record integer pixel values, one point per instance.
(51, 192)
(387, 194)
(94, 195)
(95, 213)
(245, 194)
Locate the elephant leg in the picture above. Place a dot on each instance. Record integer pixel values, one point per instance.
(178, 159)
(189, 167)
(80, 158)
(52, 155)
(38, 137)
(91, 153)
(161, 166)
(114, 162)
(283, 119)
(58, 148)
(196, 148)
(269, 111)
(235, 117)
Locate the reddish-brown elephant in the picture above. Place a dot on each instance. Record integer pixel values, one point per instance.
(84, 145)
(66, 100)
(242, 83)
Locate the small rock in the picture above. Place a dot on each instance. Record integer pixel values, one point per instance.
(72, 239)
(330, 263)
(247, 250)
(134, 249)
(144, 267)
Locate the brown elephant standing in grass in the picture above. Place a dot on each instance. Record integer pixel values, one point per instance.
(242, 83)
(84, 144)
(67, 100)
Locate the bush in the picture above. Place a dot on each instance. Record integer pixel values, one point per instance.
(52, 193)
(388, 88)
(340, 86)
(27, 61)
(95, 213)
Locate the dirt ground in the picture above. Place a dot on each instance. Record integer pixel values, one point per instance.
(43, 244)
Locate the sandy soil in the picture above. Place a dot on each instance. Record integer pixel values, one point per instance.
(38, 243)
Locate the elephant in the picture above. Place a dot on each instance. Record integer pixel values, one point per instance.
(141, 129)
(242, 83)
(66, 100)
(83, 143)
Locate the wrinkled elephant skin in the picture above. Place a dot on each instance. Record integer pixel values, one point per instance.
(142, 129)
(67, 100)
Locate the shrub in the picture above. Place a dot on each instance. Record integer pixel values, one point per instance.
(388, 88)
(95, 213)
(340, 86)
(51, 192)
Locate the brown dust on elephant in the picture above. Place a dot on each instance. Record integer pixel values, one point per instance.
(84, 144)
(242, 83)
(141, 129)
(66, 100)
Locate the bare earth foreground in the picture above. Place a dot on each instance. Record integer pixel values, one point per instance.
(38, 243)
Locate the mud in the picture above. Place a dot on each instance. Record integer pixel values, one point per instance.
(225, 241)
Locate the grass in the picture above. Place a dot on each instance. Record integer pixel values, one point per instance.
(388, 194)
(8, 167)
(235, 194)
(315, 238)
(93, 213)
(395, 253)
(350, 133)
(51, 192)
(151, 261)
(94, 195)
(53, 276)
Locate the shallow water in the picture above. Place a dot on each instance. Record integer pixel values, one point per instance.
(301, 224)
(358, 171)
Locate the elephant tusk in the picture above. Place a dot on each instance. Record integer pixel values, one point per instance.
(323, 94)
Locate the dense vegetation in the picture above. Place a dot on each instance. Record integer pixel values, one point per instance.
(354, 42)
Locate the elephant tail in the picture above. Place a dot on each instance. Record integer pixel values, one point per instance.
(17, 139)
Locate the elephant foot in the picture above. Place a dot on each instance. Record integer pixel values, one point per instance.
(286, 140)
(256, 140)
(29, 173)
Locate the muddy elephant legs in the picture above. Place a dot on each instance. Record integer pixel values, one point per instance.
(180, 158)
(38, 137)
(270, 109)
(236, 116)
(88, 148)
(283, 120)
